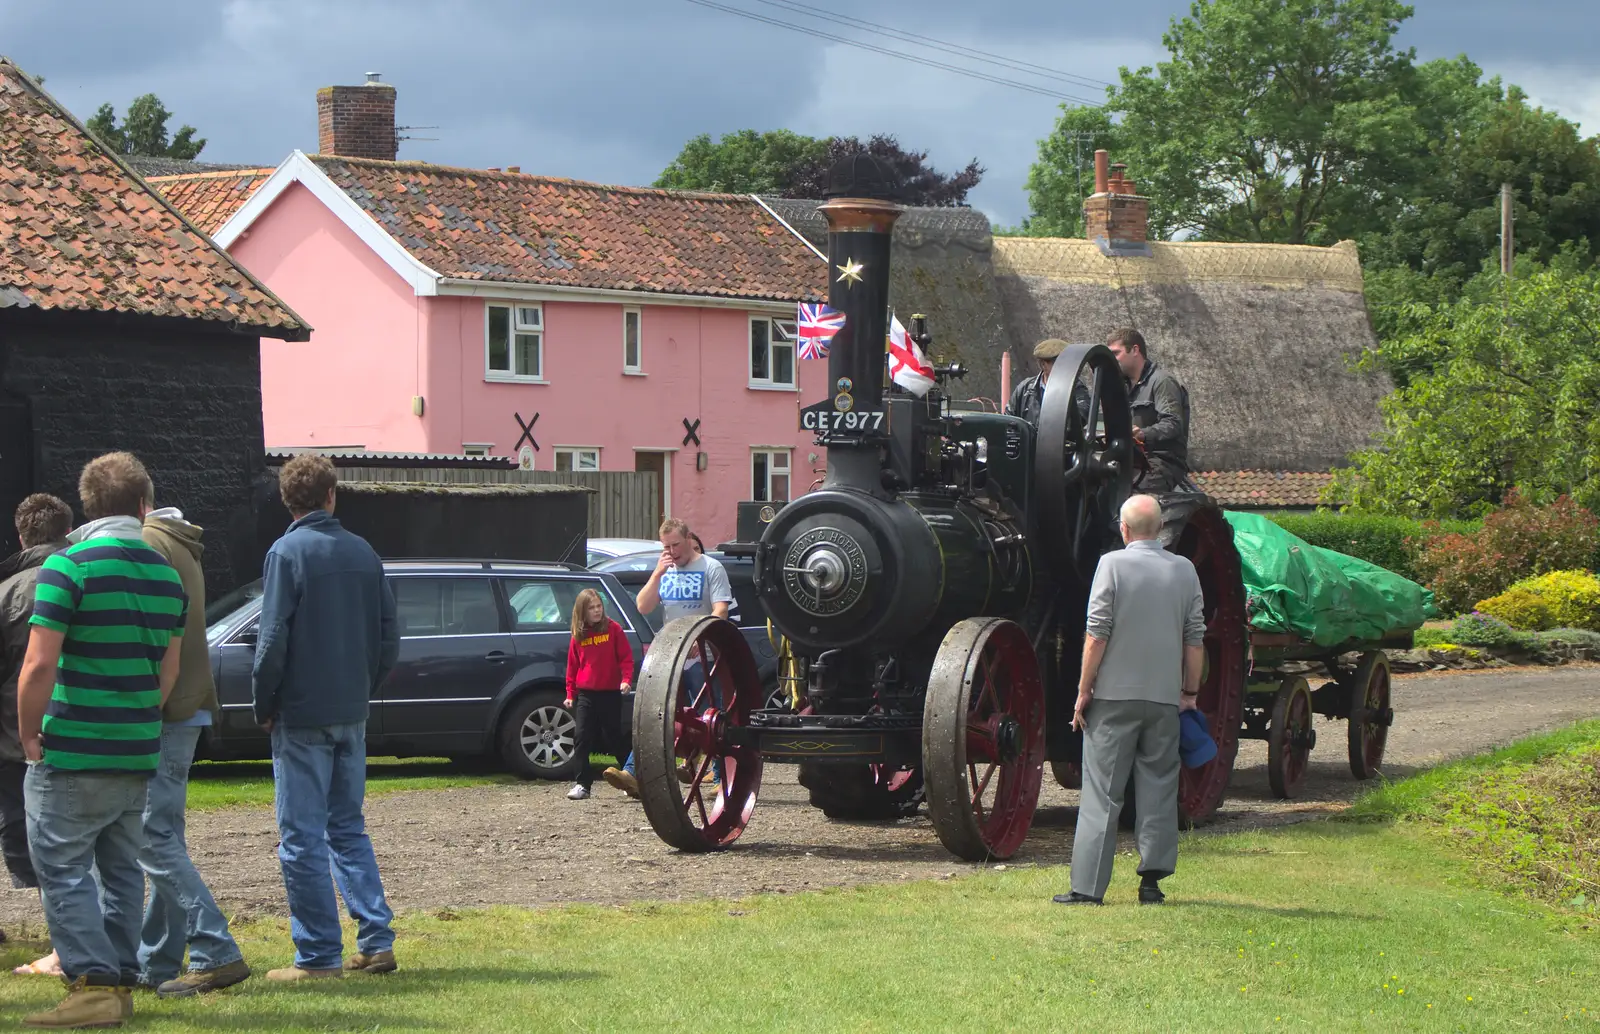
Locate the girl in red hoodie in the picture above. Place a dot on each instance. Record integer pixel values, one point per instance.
(599, 671)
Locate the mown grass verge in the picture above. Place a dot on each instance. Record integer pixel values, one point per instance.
(1527, 817)
(228, 784)
(1317, 927)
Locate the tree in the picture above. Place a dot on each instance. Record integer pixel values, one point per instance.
(1268, 121)
(1064, 174)
(1506, 396)
(1446, 220)
(920, 183)
(144, 131)
(745, 162)
(791, 165)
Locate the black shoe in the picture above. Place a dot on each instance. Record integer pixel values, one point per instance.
(1076, 899)
(1150, 894)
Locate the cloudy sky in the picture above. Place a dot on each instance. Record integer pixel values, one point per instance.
(609, 90)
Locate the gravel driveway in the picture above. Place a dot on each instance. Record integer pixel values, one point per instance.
(527, 845)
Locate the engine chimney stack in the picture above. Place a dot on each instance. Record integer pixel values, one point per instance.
(861, 212)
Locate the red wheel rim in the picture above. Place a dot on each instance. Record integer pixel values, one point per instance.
(1208, 541)
(1003, 776)
(1374, 731)
(719, 809)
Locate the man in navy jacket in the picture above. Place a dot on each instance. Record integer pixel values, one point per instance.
(328, 638)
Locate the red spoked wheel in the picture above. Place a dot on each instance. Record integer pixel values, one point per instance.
(1370, 714)
(1207, 540)
(1290, 737)
(697, 687)
(983, 739)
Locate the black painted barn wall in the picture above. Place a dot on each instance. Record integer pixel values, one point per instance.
(183, 398)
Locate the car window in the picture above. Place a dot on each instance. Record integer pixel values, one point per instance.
(445, 606)
(545, 605)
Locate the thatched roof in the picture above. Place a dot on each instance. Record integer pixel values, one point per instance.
(477, 490)
(1262, 335)
(940, 266)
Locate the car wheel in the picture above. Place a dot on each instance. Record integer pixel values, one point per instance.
(777, 696)
(538, 737)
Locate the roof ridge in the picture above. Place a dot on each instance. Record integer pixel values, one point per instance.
(214, 174)
(461, 170)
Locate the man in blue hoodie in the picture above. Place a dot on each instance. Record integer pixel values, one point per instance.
(328, 638)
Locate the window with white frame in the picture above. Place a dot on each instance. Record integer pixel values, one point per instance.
(632, 343)
(771, 352)
(476, 448)
(769, 469)
(572, 458)
(514, 343)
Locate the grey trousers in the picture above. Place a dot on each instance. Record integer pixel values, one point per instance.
(1123, 736)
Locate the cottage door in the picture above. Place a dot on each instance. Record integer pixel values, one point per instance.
(655, 463)
(16, 467)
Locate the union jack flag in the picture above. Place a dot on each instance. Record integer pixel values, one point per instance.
(816, 327)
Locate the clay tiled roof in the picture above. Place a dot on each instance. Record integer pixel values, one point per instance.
(1263, 489)
(511, 227)
(207, 199)
(79, 230)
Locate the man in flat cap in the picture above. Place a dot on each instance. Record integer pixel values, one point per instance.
(1029, 395)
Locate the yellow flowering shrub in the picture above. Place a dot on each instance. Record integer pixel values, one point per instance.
(1560, 599)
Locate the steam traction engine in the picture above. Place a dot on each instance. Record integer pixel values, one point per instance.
(930, 596)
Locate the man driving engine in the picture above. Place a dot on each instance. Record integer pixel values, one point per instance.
(1160, 413)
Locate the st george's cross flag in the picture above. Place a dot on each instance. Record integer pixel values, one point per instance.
(816, 327)
(908, 367)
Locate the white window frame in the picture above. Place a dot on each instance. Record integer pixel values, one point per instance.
(477, 448)
(575, 451)
(767, 383)
(771, 452)
(515, 325)
(636, 368)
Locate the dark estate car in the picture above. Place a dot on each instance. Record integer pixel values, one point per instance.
(482, 668)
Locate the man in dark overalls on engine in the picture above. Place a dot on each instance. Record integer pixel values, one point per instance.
(1160, 414)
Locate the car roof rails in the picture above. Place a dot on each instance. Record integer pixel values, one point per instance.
(484, 565)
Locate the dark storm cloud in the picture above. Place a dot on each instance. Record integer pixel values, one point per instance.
(610, 89)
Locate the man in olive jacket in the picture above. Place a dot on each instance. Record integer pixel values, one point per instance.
(181, 911)
(42, 524)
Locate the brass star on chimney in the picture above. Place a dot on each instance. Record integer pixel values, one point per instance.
(850, 272)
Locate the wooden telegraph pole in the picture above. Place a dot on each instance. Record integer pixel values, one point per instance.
(1507, 237)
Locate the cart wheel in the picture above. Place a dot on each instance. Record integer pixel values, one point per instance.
(1370, 714)
(1290, 737)
(682, 722)
(983, 739)
(1069, 774)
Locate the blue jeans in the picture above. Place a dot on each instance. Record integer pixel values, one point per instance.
(694, 677)
(321, 778)
(78, 822)
(180, 910)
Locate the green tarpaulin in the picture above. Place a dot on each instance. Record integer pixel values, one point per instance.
(1317, 594)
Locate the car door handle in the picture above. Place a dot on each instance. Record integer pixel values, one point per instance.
(495, 656)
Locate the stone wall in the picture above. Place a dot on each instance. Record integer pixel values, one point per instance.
(187, 403)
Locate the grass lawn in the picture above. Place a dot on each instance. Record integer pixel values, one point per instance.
(1329, 926)
(225, 784)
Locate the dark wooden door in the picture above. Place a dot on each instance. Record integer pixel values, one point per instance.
(16, 467)
(655, 463)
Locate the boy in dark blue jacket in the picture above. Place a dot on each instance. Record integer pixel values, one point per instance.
(328, 638)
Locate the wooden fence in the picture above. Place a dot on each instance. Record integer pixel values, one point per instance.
(622, 504)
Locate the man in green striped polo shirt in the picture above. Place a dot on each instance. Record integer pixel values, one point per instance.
(102, 657)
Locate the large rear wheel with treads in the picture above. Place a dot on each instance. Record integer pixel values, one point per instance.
(983, 739)
(698, 686)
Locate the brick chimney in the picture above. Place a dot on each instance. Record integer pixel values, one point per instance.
(357, 121)
(1115, 217)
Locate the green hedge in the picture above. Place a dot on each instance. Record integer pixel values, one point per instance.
(1375, 539)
